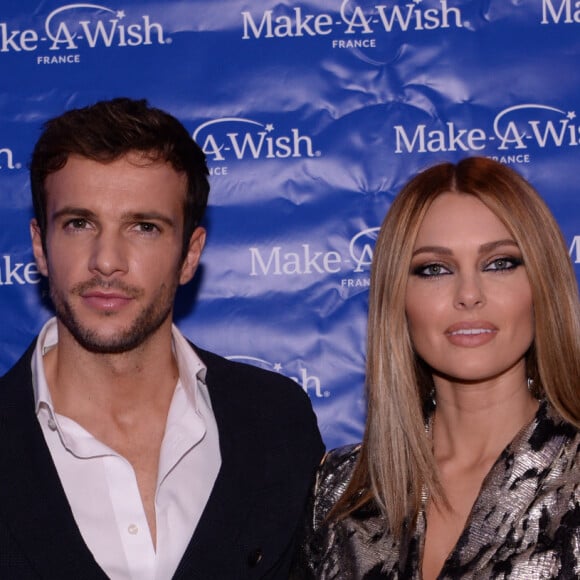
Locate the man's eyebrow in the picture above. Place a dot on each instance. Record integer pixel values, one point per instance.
(487, 247)
(146, 216)
(71, 211)
(141, 216)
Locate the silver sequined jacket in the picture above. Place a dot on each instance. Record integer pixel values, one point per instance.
(525, 523)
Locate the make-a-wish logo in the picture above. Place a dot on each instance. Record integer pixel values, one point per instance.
(307, 259)
(361, 248)
(560, 12)
(311, 384)
(83, 25)
(575, 249)
(7, 159)
(236, 138)
(18, 273)
(363, 17)
(519, 129)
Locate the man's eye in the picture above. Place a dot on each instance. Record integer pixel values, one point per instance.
(147, 228)
(76, 224)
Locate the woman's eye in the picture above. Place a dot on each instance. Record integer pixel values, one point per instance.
(430, 270)
(505, 263)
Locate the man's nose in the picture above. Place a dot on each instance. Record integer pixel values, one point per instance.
(108, 255)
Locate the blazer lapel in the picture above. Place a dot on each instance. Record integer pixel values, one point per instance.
(33, 505)
(509, 489)
(226, 511)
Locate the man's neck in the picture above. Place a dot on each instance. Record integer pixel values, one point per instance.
(123, 400)
(84, 383)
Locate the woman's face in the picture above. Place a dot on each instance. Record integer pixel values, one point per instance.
(468, 300)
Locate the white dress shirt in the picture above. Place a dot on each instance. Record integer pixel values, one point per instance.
(101, 486)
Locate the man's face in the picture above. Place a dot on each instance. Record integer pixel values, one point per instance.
(113, 249)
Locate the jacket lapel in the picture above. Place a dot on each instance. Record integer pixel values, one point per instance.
(510, 488)
(33, 505)
(222, 521)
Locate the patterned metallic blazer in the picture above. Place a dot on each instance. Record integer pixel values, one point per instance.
(525, 523)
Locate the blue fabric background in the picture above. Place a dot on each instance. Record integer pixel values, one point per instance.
(313, 115)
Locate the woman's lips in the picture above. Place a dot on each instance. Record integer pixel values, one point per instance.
(471, 334)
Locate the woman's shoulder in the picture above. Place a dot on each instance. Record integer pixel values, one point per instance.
(332, 479)
(554, 439)
(341, 458)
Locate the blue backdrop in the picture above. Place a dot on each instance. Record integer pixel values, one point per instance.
(312, 115)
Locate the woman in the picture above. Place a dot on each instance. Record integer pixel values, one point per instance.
(470, 462)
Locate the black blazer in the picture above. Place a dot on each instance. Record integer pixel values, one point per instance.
(270, 447)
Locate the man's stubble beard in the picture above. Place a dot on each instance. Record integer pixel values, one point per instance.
(148, 321)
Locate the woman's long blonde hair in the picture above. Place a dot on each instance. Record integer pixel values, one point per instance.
(396, 462)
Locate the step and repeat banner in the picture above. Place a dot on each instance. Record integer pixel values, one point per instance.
(312, 115)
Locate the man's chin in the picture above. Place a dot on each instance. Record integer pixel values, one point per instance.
(110, 346)
(113, 342)
(113, 337)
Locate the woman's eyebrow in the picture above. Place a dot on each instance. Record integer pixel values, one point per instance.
(487, 247)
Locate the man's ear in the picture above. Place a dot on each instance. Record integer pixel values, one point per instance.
(37, 248)
(194, 249)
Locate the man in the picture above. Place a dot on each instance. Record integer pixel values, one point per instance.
(127, 452)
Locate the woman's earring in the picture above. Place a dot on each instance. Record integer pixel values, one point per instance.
(533, 389)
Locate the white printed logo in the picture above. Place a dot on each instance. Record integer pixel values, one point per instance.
(7, 159)
(75, 26)
(19, 273)
(307, 260)
(564, 11)
(279, 261)
(353, 19)
(236, 138)
(310, 383)
(361, 248)
(519, 129)
(575, 249)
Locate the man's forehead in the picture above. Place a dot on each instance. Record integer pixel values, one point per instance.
(133, 157)
(135, 165)
(130, 179)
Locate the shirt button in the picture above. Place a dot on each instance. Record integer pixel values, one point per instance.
(51, 424)
(133, 529)
(255, 557)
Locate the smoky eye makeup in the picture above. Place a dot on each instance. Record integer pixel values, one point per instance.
(430, 269)
(503, 263)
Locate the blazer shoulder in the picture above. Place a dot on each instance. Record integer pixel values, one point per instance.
(251, 382)
(16, 383)
(340, 460)
(332, 479)
(270, 408)
(21, 366)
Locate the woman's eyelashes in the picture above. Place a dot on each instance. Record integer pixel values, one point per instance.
(435, 269)
(503, 263)
(430, 270)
